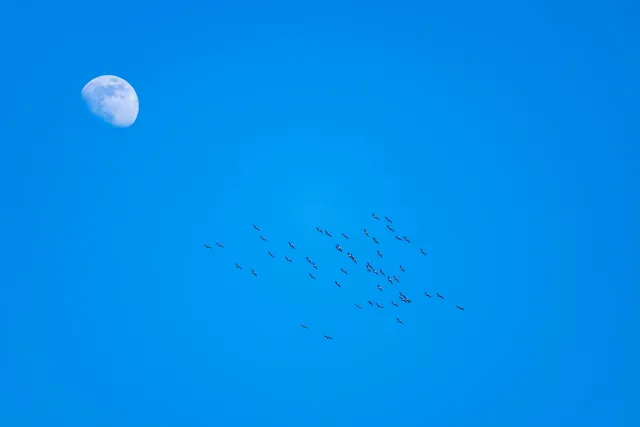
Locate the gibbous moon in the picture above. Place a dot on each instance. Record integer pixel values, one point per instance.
(112, 99)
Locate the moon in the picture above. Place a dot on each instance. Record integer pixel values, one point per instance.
(112, 99)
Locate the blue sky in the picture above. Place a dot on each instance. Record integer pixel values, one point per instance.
(501, 138)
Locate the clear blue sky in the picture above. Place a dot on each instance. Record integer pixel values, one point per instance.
(502, 138)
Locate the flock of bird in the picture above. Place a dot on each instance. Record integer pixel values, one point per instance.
(379, 273)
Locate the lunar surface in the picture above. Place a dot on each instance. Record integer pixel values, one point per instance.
(112, 99)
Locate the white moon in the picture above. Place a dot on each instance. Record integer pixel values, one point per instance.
(112, 99)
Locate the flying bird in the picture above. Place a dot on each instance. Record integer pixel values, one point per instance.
(337, 284)
(287, 258)
(207, 246)
(402, 268)
(308, 260)
(370, 303)
(343, 270)
(270, 254)
(374, 215)
(219, 244)
(328, 337)
(314, 265)
(425, 292)
(396, 279)
(422, 252)
(406, 240)
(304, 326)
(365, 232)
(399, 321)
(439, 296)
(256, 227)
(394, 303)
(379, 254)
(338, 247)
(319, 230)
(460, 307)
(311, 275)
(254, 273)
(291, 245)
(387, 218)
(382, 272)
(345, 236)
(237, 266)
(389, 227)
(327, 233)
(379, 306)
(389, 280)
(375, 241)
(262, 237)
(380, 288)
(398, 238)
(358, 306)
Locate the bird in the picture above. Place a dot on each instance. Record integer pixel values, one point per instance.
(314, 265)
(402, 268)
(327, 233)
(287, 258)
(237, 266)
(379, 306)
(270, 254)
(422, 252)
(425, 292)
(407, 240)
(398, 238)
(394, 303)
(460, 307)
(370, 303)
(207, 246)
(396, 279)
(219, 244)
(328, 337)
(379, 254)
(256, 227)
(380, 288)
(382, 272)
(374, 215)
(308, 260)
(375, 241)
(389, 227)
(338, 248)
(343, 270)
(389, 280)
(399, 321)
(337, 284)
(345, 236)
(291, 245)
(262, 237)
(439, 296)
(311, 275)
(254, 273)
(319, 230)
(304, 326)
(358, 306)
(365, 232)
(387, 218)
(401, 294)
